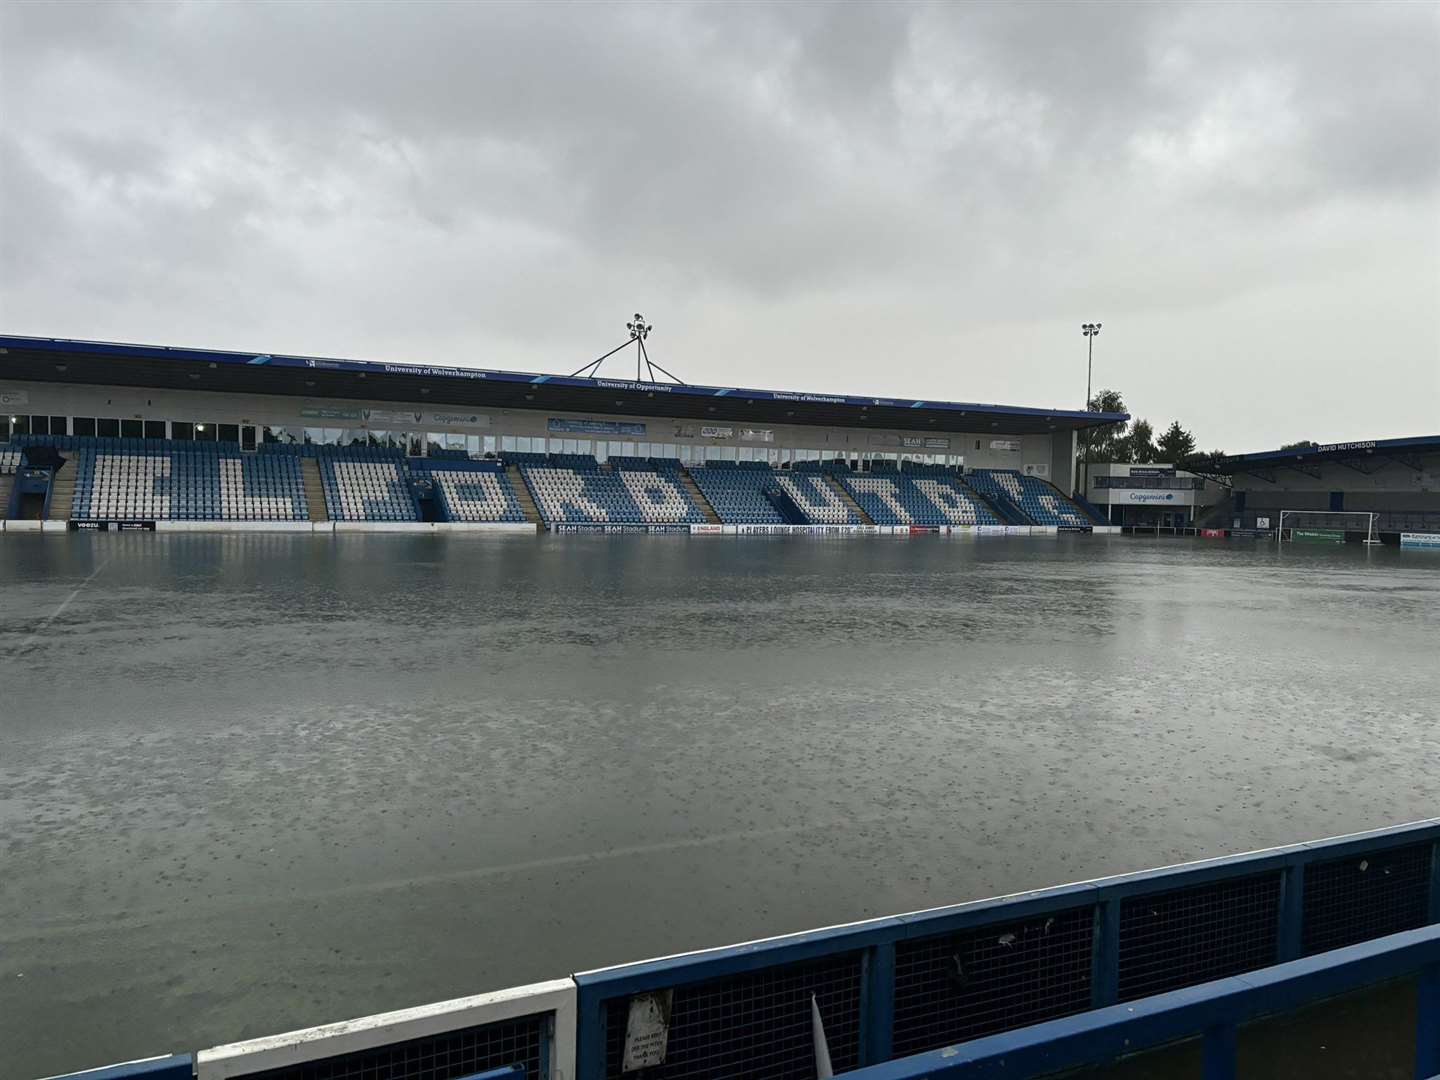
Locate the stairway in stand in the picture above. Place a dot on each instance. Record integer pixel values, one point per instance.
(698, 497)
(314, 489)
(7, 482)
(849, 501)
(62, 493)
(522, 494)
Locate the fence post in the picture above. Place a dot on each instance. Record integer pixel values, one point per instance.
(1427, 1023)
(1105, 954)
(1434, 912)
(879, 1021)
(1218, 1049)
(1292, 913)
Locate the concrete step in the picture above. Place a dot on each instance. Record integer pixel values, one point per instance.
(314, 489)
(522, 494)
(693, 490)
(848, 500)
(62, 496)
(7, 484)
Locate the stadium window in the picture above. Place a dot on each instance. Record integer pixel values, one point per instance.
(489, 441)
(179, 429)
(205, 432)
(228, 432)
(311, 435)
(107, 429)
(507, 444)
(154, 429)
(58, 425)
(572, 446)
(20, 425)
(247, 437)
(129, 429)
(39, 425)
(85, 425)
(977, 444)
(5, 428)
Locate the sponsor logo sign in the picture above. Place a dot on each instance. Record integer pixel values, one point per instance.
(410, 369)
(1149, 496)
(1262, 523)
(595, 427)
(918, 530)
(611, 384)
(1212, 532)
(913, 442)
(1370, 445)
(1152, 470)
(617, 527)
(717, 433)
(756, 435)
(1420, 540)
(14, 397)
(112, 526)
(1005, 444)
(319, 413)
(706, 530)
(1039, 469)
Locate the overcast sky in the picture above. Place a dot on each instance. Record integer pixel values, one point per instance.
(918, 200)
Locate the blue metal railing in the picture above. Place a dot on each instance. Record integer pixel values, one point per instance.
(938, 977)
(1211, 1011)
(1013, 968)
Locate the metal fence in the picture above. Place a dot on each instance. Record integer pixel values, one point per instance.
(892, 987)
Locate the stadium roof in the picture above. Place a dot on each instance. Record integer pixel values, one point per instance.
(162, 367)
(1228, 464)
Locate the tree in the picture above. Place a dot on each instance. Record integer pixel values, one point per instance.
(1142, 442)
(1176, 444)
(1303, 444)
(1108, 442)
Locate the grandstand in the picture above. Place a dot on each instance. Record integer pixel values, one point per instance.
(147, 436)
(1334, 486)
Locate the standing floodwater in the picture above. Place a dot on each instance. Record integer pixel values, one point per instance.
(250, 783)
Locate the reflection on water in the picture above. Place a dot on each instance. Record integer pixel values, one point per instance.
(255, 782)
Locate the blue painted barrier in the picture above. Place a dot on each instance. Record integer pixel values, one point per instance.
(1304, 916)
(1211, 1011)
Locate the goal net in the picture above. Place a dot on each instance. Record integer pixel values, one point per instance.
(1326, 525)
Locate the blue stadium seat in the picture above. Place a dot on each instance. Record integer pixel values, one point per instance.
(163, 480)
(575, 488)
(1041, 501)
(366, 483)
(474, 490)
(917, 498)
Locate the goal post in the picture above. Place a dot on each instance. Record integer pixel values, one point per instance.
(1296, 518)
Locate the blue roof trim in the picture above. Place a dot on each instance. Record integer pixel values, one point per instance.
(1361, 446)
(212, 356)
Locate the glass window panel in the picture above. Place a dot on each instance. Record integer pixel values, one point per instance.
(39, 425)
(58, 425)
(154, 429)
(489, 441)
(204, 432)
(179, 429)
(228, 432)
(129, 429)
(20, 425)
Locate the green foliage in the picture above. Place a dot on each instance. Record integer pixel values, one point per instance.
(1176, 444)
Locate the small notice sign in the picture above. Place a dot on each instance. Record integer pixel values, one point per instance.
(647, 1031)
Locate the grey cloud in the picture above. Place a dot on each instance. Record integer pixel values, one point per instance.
(491, 182)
